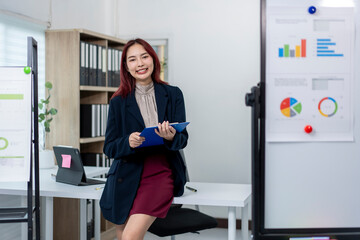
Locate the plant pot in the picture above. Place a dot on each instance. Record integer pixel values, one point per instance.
(46, 159)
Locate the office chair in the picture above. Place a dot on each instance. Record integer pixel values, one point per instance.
(182, 220)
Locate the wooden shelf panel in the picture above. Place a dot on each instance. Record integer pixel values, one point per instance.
(92, 147)
(63, 70)
(98, 88)
(92, 140)
(93, 97)
(86, 34)
(112, 89)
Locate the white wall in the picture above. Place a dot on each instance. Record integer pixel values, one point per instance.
(36, 9)
(92, 15)
(215, 49)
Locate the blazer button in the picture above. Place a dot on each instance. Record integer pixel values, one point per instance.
(120, 180)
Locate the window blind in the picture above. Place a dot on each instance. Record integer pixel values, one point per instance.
(13, 45)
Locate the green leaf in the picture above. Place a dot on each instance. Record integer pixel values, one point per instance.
(41, 116)
(44, 105)
(53, 111)
(48, 85)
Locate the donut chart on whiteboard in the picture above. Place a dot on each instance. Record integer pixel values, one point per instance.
(3, 143)
(328, 107)
(290, 107)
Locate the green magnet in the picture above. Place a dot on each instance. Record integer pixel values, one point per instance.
(27, 70)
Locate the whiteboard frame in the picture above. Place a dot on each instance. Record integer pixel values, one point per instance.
(258, 169)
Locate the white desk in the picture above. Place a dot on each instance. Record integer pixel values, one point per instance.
(49, 189)
(221, 194)
(210, 194)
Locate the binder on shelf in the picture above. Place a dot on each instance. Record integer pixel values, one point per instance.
(109, 67)
(82, 64)
(152, 139)
(103, 67)
(95, 159)
(98, 65)
(120, 55)
(117, 68)
(113, 67)
(91, 159)
(86, 120)
(92, 65)
(104, 114)
(93, 119)
(86, 82)
(100, 72)
(95, 58)
(98, 119)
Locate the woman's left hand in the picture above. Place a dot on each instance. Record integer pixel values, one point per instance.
(165, 131)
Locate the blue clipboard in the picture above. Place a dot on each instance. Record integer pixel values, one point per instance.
(152, 139)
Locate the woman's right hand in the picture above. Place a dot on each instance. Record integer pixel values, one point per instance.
(135, 139)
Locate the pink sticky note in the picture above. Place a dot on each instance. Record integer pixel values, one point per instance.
(66, 160)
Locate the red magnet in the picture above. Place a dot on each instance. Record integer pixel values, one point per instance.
(308, 129)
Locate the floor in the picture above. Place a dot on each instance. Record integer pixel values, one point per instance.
(210, 234)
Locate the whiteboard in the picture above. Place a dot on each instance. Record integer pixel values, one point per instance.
(311, 179)
(15, 124)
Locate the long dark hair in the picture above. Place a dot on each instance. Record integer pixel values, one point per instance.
(127, 82)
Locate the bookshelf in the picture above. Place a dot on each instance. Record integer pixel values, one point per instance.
(63, 69)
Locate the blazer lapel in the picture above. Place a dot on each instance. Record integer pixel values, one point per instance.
(133, 108)
(161, 97)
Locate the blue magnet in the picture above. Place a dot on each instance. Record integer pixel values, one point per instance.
(312, 9)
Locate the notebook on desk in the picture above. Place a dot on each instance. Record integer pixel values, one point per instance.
(71, 169)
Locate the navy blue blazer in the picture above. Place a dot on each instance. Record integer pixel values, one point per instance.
(124, 175)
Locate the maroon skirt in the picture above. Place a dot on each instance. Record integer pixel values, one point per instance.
(155, 193)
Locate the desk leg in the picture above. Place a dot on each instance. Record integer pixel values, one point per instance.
(24, 226)
(245, 222)
(232, 223)
(97, 220)
(49, 218)
(83, 220)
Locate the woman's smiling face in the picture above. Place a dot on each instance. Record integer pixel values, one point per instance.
(139, 64)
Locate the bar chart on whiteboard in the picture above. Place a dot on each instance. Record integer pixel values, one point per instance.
(309, 74)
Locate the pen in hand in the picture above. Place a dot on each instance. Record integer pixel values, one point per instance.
(191, 189)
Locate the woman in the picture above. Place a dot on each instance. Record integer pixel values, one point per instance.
(142, 181)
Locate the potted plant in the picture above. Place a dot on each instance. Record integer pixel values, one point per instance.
(46, 114)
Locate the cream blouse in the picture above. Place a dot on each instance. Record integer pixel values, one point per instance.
(145, 98)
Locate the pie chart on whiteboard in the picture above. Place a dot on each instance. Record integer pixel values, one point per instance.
(290, 107)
